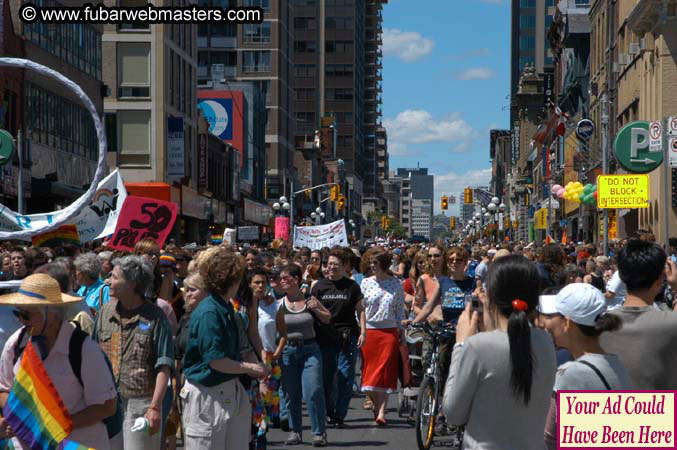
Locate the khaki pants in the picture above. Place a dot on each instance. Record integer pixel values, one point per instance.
(216, 417)
(132, 409)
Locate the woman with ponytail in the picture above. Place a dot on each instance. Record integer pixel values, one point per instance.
(500, 380)
(580, 317)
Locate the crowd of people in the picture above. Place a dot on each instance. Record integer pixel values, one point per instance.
(221, 343)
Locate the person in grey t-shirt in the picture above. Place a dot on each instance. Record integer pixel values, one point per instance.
(582, 317)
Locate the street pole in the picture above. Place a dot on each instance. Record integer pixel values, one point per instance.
(20, 177)
(322, 59)
(666, 184)
(605, 166)
(291, 212)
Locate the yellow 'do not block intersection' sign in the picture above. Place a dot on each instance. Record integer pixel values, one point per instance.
(623, 191)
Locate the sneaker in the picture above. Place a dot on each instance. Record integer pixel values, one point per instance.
(320, 440)
(340, 424)
(331, 422)
(293, 439)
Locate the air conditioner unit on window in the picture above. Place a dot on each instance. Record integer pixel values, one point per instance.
(624, 59)
(617, 68)
(633, 48)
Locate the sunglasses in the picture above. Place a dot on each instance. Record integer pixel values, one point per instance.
(21, 315)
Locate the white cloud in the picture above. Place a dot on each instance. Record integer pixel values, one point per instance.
(476, 73)
(453, 183)
(417, 126)
(409, 46)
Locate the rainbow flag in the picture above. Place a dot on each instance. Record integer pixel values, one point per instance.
(67, 444)
(34, 408)
(65, 234)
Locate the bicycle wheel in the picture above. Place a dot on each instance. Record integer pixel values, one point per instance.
(426, 410)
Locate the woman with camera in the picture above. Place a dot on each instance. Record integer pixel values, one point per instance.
(503, 375)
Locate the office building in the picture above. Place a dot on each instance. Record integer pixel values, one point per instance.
(260, 54)
(416, 207)
(62, 147)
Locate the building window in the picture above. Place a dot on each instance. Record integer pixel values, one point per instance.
(265, 4)
(527, 42)
(133, 69)
(527, 21)
(134, 138)
(305, 94)
(302, 3)
(53, 121)
(77, 44)
(305, 23)
(305, 70)
(339, 46)
(339, 93)
(527, 3)
(339, 22)
(256, 61)
(339, 70)
(257, 33)
(305, 46)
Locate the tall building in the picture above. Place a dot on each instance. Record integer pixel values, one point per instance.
(261, 54)
(337, 82)
(417, 195)
(375, 141)
(529, 45)
(57, 129)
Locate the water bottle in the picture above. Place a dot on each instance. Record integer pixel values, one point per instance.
(141, 424)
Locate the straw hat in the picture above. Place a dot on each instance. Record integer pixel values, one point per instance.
(38, 290)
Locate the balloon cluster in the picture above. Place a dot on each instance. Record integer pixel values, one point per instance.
(589, 194)
(574, 191)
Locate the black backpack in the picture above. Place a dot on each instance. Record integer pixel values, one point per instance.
(114, 422)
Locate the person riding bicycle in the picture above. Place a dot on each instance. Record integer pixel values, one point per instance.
(446, 307)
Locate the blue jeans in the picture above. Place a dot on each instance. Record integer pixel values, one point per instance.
(340, 363)
(302, 377)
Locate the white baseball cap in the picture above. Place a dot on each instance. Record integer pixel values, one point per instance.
(581, 302)
(546, 304)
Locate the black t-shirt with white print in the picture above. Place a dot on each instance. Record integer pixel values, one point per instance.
(340, 298)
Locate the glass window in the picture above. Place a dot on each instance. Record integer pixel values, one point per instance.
(256, 61)
(305, 23)
(527, 3)
(257, 32)
(527, 21)
(134, 137)
(527, 42)
(304, 70)
(133, 69)
(305, 46)
(265, 4)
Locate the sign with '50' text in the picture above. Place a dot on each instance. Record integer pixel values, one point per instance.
(143, 218)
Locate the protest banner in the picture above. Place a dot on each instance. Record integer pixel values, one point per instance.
(282, 228)
(248, 233)
(320, 236)
(95, 221)
(143, 218)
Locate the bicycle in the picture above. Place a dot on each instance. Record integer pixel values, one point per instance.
(427, 403)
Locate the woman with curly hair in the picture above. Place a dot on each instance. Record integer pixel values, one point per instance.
(217, 412)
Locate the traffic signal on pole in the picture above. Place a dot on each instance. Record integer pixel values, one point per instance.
(467, 196)
(526, 199)
(341, 202)
(333, 193)
(383, 222)
(445, 202)
(308, 193)
(452, 223)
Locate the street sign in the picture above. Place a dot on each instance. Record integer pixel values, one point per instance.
(672, 145)
(540, 219)
(632, 148)
(656, 136)
(584, 129)
(623, 191)
(672, 126)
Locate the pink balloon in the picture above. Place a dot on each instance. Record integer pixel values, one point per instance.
(556, 187)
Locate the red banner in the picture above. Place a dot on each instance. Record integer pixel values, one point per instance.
(282, 228)
(143, 218)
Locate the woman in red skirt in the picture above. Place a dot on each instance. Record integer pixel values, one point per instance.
(384, 308)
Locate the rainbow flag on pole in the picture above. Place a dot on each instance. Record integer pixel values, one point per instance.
(34, 408)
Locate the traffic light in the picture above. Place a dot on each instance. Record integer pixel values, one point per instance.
(467, 196)
(341, 202)
(383, 222)
(445, 202)
(526, 199)
(333, 193)
(452, 223)
(308, 193)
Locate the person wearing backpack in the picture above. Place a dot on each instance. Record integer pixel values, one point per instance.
(89, 397)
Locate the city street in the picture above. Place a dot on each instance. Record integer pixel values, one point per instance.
(361, 431)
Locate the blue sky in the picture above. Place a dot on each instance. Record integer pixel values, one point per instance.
(446, 75)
